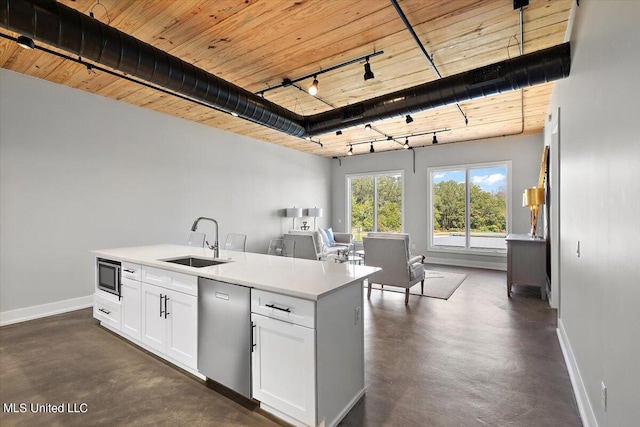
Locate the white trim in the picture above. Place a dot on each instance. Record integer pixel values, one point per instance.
(579, 390)
(500, 266)
(346, 409)
(44, 310)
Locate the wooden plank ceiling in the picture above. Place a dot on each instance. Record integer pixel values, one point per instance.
(256, 43)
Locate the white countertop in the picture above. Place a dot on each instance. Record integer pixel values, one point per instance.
(296, 277)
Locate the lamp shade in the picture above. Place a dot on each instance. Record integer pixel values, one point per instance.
(294, 212)
(314, 212)
(533, 196)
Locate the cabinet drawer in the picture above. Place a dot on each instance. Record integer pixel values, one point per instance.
(107, 311)
(290, 309)
(185, 283)
(156, 276)
(131, 271)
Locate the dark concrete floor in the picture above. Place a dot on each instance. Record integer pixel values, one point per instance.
(477, 359)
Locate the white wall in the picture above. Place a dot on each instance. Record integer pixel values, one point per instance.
(599, 125)
(81, 172)
(525, 152)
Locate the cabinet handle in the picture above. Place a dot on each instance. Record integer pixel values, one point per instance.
(104, 311)
(161, 310)
(278, 308)
(129, 271)
(253, 341)
(166, 313)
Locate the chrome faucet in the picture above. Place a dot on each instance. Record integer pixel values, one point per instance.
(215, 247)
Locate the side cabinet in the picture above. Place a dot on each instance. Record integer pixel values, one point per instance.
(283, 358)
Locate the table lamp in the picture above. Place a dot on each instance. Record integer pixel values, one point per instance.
(294, 213)
(533, 198)
(315, 213)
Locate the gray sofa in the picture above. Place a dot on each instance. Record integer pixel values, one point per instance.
(309, 244)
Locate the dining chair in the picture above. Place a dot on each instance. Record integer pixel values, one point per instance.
(281, 247)
(235, 242)
(196, 239)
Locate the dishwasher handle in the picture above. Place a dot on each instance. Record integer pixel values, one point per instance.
(288, 310)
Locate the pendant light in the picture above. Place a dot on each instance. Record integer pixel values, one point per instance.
(313, 89)
(26, 42)
(350, 152)
(372, 150)
(406, 143)
(368, 74)
(435, 140)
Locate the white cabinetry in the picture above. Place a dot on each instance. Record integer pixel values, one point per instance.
(284, 367)
(170, 318)
(131, 302)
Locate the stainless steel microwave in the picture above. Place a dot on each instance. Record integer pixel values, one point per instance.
(109, 276)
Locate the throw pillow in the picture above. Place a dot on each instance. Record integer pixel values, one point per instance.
(330, 237)
(325, 240)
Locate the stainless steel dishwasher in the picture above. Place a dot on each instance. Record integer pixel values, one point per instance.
(224, 334)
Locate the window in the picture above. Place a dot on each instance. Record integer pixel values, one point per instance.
(469, 206)
(375, 203)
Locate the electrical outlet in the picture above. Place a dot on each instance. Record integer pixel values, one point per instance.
(358, 315)
(603, 395)
(578, 249)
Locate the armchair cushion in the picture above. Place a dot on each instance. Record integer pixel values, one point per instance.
(321, 248)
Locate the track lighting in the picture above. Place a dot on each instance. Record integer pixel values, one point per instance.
(368, 74)
(372, 150)
(406, 143)
(367, 127)
(408, 119)
(338, 132)
(350, 152)
(26, 42)
(435, 140)
(313, 89)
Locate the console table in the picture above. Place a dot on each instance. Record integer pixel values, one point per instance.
(526, 262)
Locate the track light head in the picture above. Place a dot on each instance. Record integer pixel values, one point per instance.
(313, 89)
(406, 143)
(371, 149)
(434, 140)
(350, 152)
(408, 119)
(368, 74)
(367, 127)
(338, 132)
(26, 42)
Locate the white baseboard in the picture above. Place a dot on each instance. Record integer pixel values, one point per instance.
(501, 266)
(44, 310)
(579, 390)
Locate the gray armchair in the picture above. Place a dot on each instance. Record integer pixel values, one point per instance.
(391, 253)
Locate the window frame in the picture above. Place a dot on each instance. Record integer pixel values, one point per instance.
(348, 178)
(467, 167)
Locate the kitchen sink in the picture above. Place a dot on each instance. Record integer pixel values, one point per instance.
(196, 262)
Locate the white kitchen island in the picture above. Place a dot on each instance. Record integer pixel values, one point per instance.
(307, 360)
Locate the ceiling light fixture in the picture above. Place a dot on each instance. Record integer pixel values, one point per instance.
(367, 127)
(350, 152)
(313, 89)
(26, 42)
(406, 143)
(435, 140)
(368, 74)
(338, 132)
(372, 150)
(408, 119)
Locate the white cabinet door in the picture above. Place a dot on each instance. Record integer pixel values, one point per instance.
(283, 367)
(131, 308)
(182, 332)
(154, 325)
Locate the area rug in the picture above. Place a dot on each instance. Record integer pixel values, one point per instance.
(437, 284)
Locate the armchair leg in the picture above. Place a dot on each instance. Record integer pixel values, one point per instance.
(422, 287)
(406, 297)
(369, 290)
